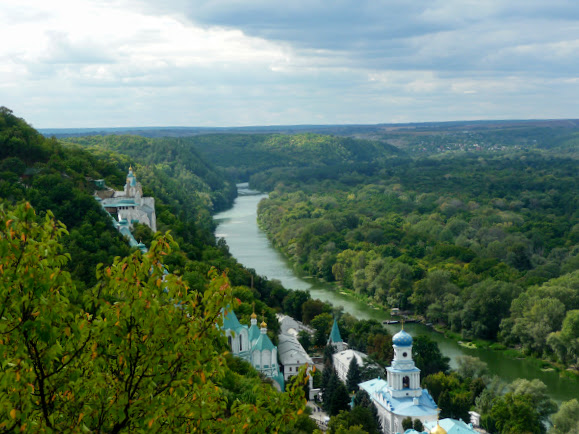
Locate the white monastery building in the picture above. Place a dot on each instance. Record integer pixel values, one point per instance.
(343, 359)
(129, 205)
(401, 395)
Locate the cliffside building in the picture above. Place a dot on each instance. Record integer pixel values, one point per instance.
(129, 204)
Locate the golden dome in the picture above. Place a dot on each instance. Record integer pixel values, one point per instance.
(437, 429)
(253, 316)
(263, 325)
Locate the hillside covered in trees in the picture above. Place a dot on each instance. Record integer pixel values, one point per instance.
(80, 351)
(485, 244)
(243, 155)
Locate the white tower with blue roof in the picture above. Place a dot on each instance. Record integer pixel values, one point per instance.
(403, 375)
(401, 395)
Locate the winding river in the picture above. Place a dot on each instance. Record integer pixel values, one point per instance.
(249, 244)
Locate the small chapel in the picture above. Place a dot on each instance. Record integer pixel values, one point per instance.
(335, 339)
(253, 345)
(400, 395)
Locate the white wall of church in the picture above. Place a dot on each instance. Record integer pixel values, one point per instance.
(256, 359)
(266, 358)
(243, 341)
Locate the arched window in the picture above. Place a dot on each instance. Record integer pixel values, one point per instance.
(240, 343)
(229, 340)
(405, 382)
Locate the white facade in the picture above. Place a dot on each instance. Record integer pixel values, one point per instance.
(253, 345)
(343, 359)
(129, 205)
(401, 395)
(293, 356)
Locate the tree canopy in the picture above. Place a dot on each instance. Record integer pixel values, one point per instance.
(96, 360)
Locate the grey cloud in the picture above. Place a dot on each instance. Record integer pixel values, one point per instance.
(445, 35)
(347, 62)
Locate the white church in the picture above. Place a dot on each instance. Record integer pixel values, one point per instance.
(129, 205)
(253, 345)
(400, 395)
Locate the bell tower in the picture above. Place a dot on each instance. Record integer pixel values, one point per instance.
(403, 375)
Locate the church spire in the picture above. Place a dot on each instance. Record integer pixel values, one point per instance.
(253, 316)
(263, 324)
(335, 339)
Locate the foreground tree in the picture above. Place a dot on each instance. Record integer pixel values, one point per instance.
(139, 351)
(44, 338)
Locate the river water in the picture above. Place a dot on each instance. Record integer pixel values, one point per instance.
(249, 244)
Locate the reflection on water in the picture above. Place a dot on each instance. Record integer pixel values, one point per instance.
(252, 248)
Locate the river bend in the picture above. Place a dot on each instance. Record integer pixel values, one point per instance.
(251, 247)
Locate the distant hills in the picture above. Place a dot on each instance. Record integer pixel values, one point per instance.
(341, 130)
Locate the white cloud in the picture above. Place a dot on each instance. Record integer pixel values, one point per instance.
(196, 62)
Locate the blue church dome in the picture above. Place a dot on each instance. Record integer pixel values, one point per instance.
(402, 339)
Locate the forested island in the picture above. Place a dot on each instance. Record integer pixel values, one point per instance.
(480, 241)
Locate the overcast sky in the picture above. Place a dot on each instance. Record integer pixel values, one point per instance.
(107, 63)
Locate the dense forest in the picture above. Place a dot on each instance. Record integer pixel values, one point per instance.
(88, 269)
(486, 245)
(73, 302)
(243, 155)
(481, 240)
(483, 243)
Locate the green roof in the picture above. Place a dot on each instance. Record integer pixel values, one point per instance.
(231, 322)
(335, 334)
(263, 343)
(253, 333)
